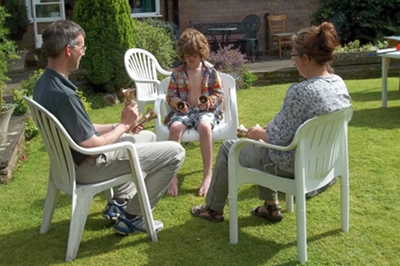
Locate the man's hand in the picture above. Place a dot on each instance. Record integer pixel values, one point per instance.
(137, 129)
(130, 115)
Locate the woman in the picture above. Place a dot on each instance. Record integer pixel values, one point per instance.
(321, 92)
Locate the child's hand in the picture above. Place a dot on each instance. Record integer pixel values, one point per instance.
(184, 110)
(203, 103)
(203, 106)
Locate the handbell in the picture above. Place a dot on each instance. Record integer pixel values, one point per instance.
(128, 94)
(149, 115)
(241, 132)
(180, 105)
(203, 99)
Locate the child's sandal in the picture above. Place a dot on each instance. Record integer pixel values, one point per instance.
(270, 210)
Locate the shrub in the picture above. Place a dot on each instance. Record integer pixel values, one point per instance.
(355, 46)
(169, 27)
(155, 40)
(18, 22)
(20, 105)
(30, 130)
(7, 52)
(233, 62)
(108, 26)
(364, 20)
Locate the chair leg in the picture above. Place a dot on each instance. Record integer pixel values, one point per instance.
(271, 42)
(399, 84)
(80, 209)
(140, 106)
(49, 207)
(146, 209)
(289, 203)
(109, 194)
(301, 228)
(344, 203)
(233, 213)
(280, 48)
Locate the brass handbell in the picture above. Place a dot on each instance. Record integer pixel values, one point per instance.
(241, 132)
(149, 115)
(203, 98)
(180, 105)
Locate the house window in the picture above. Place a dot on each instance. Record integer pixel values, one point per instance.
(145, 8)
(46, 10)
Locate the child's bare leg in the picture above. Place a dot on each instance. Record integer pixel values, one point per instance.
(207, 147)
(175, 134)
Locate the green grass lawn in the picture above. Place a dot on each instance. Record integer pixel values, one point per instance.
(374, 237)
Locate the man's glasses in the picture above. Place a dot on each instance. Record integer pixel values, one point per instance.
(294, 55)
(83, 48)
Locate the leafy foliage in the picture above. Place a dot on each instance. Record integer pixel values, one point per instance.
(30, 129)
(21, 107)
(169, 27)
(232, 61)
(364, 20)
(355, 46)
(108, 26)
(7, 52)
(18, 22)
(156, 38)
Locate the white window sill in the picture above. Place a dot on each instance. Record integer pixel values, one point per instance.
(145, 15)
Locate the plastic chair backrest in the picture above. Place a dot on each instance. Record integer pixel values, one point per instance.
(57, 143)
(251, 26)
(142, 66)
(277, 24)
(319, 143)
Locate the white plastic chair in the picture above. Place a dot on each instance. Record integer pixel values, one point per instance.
(226, 129)
(321, 155)
(62, 177)
(142, 67)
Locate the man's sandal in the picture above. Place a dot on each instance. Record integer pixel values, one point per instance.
(268, 215)
(211, 214)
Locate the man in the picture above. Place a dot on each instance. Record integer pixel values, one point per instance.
(64, 43)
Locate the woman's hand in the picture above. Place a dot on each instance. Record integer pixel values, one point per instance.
(257, 133)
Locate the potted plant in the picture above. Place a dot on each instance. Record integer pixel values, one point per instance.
(17, 23)
(7, 53)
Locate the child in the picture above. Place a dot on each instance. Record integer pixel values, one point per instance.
(194, 78)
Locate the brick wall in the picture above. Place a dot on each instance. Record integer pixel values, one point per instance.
(28, 42)
(298, 12)
(298, 15)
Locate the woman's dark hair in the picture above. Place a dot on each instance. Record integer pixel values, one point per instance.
(318, 42)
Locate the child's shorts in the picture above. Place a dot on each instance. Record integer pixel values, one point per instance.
(193, 118)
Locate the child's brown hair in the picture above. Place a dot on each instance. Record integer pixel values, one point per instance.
(191, 42)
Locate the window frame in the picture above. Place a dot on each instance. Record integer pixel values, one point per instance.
(30, 4)
(157, 13)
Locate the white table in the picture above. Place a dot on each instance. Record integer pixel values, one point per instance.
(386, 54)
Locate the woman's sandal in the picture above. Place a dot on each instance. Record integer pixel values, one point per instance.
(268, 215)
(211, 214)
